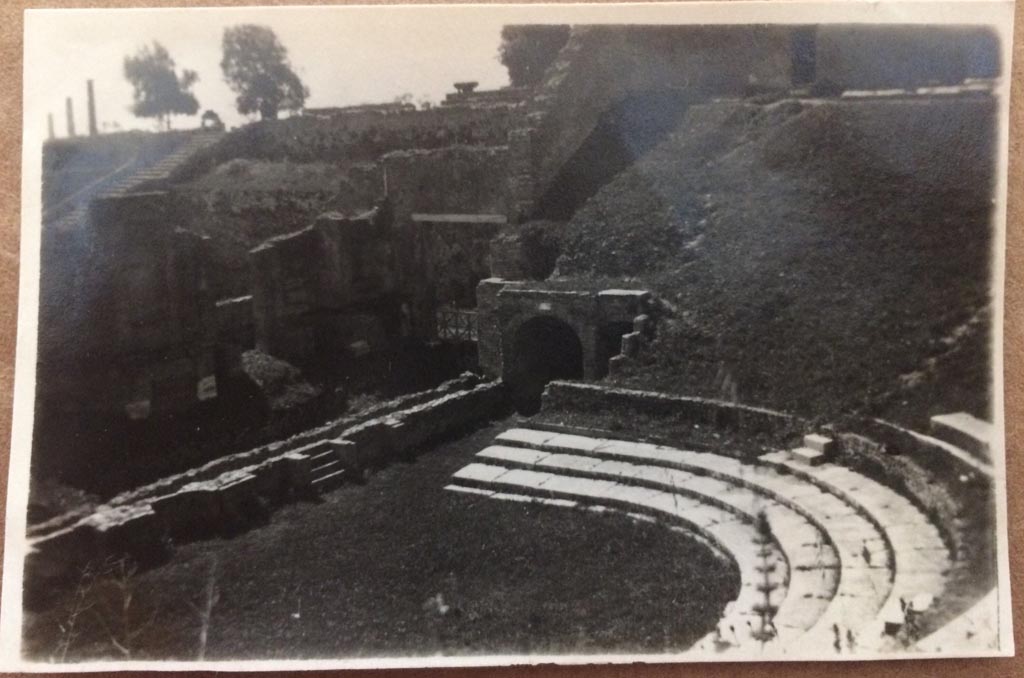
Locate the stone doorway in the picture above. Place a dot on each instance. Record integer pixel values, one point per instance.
(544, 348)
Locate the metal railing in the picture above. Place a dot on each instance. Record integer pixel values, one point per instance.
(456, 324)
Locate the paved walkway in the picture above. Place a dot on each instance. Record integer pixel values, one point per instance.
(837, 577)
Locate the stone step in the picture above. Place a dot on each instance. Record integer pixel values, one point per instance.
(323, 457)
(329, 481)
(325, 468)
(846, 527)
(740, 500)
(823, 444)
(919, 558)
(807, 456)
(966, 432)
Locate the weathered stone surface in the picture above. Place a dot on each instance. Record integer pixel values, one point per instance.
(143, 322)
(631, 344)
(306, 284)
(807, 456)
(590, 76)
(852, 585)
(965, 431)
(589, 397)
(820, 443)
(504, 308)
(513, 454)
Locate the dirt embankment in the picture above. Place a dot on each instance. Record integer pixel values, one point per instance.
(824, 256)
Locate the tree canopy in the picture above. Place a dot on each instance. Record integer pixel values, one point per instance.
(257, 69)
(159, 91)
(527, 51)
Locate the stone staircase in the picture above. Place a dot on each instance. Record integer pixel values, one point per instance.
(844, 550)
(166, 166)
(326, 469)
(128, 180)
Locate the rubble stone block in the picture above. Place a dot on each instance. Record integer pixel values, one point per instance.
(372, 441)
(298, 471)
(192, 510)
(821, 443)
(631, 344)
(347, 452)
(237, 497)
(622, 304)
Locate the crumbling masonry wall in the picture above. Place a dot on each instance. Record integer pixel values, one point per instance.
(458, 180)
(144, 342)
(325, 287)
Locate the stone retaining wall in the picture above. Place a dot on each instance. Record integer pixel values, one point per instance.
(592, 398)
(934, 455)
(237, 491)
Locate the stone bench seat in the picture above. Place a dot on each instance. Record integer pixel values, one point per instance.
(873, 575)
(919, 558)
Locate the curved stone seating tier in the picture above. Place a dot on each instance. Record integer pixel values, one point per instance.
(835, 529)
(811, 560)
(864, 582)
(731, 534)
(920, 559)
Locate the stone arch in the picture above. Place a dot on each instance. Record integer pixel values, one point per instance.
(543, 348)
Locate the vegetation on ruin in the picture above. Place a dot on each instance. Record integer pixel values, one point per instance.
(159, 90)
(527, 51)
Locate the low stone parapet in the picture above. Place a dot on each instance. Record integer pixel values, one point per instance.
(593, 398)
(944, 459)
(201, 503)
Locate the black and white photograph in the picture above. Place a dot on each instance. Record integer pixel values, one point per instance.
(411, 336)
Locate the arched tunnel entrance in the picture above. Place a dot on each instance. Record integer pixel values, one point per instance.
(544, 348)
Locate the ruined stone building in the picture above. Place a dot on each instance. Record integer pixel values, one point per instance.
(434, 202)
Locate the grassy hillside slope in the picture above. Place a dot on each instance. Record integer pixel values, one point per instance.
(825, 257)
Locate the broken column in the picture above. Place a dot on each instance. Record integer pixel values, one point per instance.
(69, 110)
(91, 101)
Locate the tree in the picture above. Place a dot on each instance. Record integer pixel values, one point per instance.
(527, 51)
(256, 68)
(159, 91)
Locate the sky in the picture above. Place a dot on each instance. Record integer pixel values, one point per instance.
(362, 54)
(344, 57)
